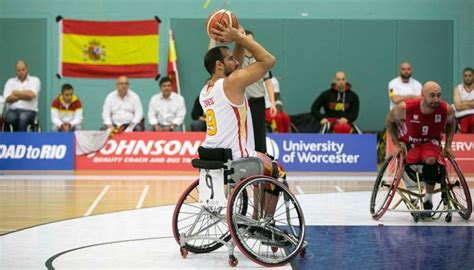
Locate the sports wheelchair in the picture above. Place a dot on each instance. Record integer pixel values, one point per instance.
(32, 127)
(390, 193)
(230, 204)
(327, 128)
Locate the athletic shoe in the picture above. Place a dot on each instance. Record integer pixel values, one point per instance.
(427, 205)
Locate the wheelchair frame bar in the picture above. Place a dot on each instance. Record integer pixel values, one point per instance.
(424, 211)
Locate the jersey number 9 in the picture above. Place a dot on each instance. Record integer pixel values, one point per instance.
(211, 123)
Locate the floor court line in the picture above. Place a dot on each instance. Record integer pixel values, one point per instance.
(300, 191)
(339, 189)
(142, 197)
(175, 177)
(97, 200)
(338, 223)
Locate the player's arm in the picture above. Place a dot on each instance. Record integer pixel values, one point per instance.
(239, 50)
(396, 115)
(25, 94)
(11, 98)
(459, 104)
(397, 99)
(450, 130)
(212, 44)
(8, 94)
(271, 95)
(393, 94)
(242, 78)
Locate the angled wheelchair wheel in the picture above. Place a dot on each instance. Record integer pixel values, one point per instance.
(200, 225)
(385, 186)
(458, 189)
(271, 232)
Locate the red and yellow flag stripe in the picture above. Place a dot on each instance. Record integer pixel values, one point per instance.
(110, 49)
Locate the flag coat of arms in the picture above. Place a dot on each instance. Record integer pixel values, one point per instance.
(108, 49)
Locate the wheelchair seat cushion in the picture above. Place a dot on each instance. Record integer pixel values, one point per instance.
(215, 154)
(207, 164)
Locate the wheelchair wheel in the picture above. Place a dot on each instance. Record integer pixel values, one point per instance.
(194, 220)
(271, 232)
(385, 186)
(458, 189)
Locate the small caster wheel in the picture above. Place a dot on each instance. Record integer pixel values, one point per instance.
(233, 261)
(274, 249)
(302, 252)
(448, 218)
(184, 252)
(416, 217)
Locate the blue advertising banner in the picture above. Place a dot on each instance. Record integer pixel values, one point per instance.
(36, 151)
(324, 152)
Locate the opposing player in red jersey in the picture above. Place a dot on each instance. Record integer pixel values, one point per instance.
(416, 126)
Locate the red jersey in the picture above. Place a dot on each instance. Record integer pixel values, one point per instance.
(420, 128)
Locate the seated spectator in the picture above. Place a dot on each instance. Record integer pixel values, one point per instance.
(21, 94)
(280, 123)
(166, 110)
(197, 114)
(463, 97)
(404, 86)
(66, 111)
(341, 105)
(122, 108)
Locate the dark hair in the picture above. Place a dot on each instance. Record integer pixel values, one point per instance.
(213, 55)
(65, 87)
(248, 32)
(467, 69)
(165, 79)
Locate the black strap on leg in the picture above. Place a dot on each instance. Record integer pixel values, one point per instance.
(444, 190)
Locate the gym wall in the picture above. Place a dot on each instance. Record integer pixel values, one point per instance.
(311, 40)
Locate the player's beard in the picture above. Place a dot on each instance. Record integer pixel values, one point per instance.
(341, 87)
(433, 105)
(228, 71)
(405, 76)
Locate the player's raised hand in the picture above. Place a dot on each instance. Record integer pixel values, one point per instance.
(226, 34)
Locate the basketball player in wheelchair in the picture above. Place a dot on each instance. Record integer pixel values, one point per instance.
(263, 218)
(415, 127)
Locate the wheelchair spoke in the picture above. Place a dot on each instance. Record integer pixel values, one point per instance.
(193, 206)
(262, 232)
(200, 226)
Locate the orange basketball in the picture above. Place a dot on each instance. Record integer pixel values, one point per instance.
(224, 17)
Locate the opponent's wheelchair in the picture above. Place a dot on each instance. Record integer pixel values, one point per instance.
(328, 128)
(453, 194)
(230, 205)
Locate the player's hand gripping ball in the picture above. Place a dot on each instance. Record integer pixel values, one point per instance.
(224, 17)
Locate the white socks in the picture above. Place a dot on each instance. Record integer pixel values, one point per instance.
(428, 196)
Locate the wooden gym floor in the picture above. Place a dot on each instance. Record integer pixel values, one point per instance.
(33, 198)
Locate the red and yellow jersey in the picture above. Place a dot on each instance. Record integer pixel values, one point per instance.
(228, 125)
(62, 112)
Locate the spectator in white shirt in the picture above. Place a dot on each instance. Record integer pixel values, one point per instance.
(167, 110)
(404, 86)
(122, 108)
(21, 94)
(463, 99)
(66, 110)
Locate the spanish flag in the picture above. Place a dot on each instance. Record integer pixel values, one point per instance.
(99, 49)
(172, 64)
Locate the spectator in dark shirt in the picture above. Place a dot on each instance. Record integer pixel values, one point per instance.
(340, 103)
(197, 114)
